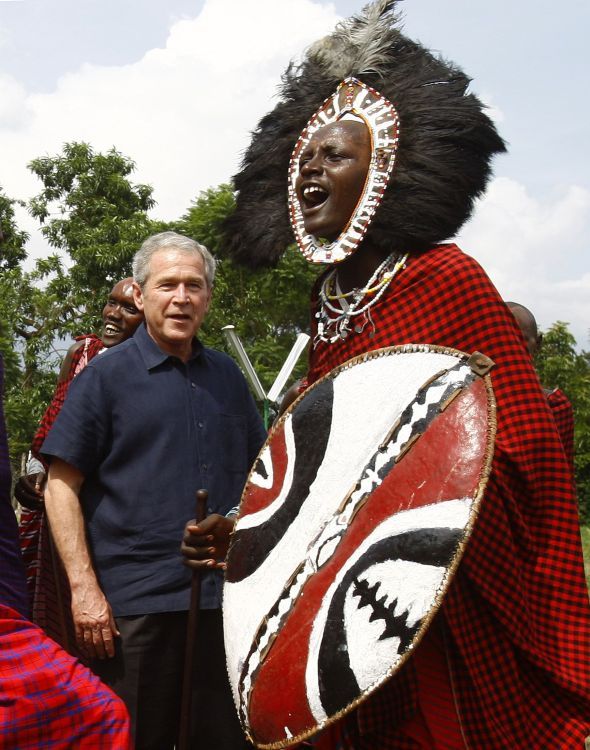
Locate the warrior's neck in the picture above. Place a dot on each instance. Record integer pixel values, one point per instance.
(357, 269)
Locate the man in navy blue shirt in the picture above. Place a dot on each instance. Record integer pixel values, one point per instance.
(142, 428)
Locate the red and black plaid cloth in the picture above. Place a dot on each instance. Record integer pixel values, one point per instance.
(563, 414)
(516, 617)
(90, 347)
(46, 583)
(48, 699)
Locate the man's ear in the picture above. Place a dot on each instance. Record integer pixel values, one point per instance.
(539, 341)
(137, 296)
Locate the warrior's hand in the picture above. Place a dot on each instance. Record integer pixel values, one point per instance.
(205, 545)
(29, 490)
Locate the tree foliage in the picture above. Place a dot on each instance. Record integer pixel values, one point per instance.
(12, 241)
(25, 377)
(96, 218)
(560, 365)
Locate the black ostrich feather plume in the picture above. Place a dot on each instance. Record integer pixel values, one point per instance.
(446, 143)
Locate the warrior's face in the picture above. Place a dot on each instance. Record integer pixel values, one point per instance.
(333, 169)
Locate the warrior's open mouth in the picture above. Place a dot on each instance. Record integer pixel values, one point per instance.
(111, 330)
(313, 196)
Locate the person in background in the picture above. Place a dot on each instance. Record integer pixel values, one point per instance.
(144, 427)
(47, 587)
(560, 405)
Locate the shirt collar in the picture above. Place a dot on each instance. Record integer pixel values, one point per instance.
(151, 353)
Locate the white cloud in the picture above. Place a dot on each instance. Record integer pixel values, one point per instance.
(535, 252)
(13, 103)
(183, 112)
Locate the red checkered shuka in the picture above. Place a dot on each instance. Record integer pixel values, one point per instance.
(90, 347)
(48, 699)
(50, 597)
(563, 414)
(516, 617)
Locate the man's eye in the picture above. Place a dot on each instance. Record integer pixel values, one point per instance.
(131, 310)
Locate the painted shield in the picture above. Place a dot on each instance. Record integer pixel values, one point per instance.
(351, 525)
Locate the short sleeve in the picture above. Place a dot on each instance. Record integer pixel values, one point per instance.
(81, 434)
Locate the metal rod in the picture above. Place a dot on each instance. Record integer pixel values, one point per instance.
(233, 340)
(287, 368)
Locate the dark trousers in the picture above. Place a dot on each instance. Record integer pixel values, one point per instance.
(147, 672)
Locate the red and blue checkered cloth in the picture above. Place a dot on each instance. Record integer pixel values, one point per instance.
(48, 699)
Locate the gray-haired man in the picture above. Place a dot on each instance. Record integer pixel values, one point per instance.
(143, 427)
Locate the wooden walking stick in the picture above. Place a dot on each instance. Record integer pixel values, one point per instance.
(184, 734)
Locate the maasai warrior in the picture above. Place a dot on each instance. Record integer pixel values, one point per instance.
(47, 589)
(385, 171)
(560, 405)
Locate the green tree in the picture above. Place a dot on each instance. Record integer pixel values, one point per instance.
(12, 240)
(559, 364)
(96, 218)
(269, 308)
(25, 380)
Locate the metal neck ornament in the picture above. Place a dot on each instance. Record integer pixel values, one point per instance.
(335, 320)
(352, 97)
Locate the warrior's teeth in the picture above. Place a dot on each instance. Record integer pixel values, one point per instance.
(312, 189)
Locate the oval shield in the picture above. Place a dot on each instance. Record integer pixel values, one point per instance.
(351, 525)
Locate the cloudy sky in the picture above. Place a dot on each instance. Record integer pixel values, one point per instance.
(178, 84)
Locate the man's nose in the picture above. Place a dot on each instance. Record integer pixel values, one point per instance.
(181, 293)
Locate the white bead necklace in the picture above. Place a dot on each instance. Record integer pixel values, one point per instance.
(334, 321)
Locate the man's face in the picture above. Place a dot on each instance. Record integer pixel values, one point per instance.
(120, 316)
(332, 173)
(174, 300)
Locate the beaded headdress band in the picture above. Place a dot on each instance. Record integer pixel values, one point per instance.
(352, 97)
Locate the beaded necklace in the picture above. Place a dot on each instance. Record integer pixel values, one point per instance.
(337, 312)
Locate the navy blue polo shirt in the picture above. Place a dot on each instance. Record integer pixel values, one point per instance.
(147, 430)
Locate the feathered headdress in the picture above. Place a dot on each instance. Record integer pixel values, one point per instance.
(446, 141)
